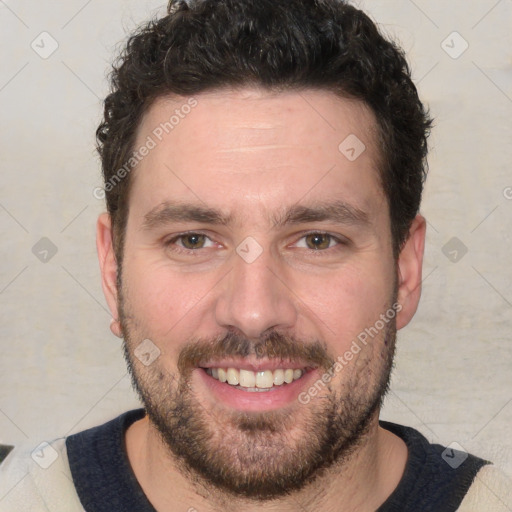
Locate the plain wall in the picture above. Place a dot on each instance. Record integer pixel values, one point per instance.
(61, 370)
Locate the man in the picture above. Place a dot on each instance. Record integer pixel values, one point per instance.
(263, 164)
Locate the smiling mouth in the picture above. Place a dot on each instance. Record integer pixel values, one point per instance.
(256, 381)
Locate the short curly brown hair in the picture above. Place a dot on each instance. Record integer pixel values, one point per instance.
(201, 45)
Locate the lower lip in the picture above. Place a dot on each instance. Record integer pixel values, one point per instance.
(236, 398)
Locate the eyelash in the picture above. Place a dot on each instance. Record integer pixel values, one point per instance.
(195, 252)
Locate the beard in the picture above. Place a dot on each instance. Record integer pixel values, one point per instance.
(262, 455)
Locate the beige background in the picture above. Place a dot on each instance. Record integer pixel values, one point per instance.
(60, 368)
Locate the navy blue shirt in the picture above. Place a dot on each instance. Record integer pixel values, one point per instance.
(105, 481)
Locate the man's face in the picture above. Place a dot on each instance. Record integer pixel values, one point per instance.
(254, 243)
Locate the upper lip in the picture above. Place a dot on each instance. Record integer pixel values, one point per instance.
(255, 365)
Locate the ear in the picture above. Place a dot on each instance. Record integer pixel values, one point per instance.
(108, 263)
(410, 262)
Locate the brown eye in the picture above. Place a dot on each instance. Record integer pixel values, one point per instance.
(193, 241)
(318, 241)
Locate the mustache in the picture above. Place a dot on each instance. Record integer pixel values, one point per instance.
(273, 345)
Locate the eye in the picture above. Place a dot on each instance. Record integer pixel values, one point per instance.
(319, 241)
(193, 241)
(190, 241)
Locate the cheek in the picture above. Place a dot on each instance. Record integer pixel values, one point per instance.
(345, 303)
(162, 301)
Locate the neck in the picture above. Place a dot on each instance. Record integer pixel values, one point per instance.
(361, 483)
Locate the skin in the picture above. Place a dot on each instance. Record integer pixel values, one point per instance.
(252, 154)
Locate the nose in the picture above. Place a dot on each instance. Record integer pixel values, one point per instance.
(256, 297)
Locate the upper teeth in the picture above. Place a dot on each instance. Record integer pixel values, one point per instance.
(250, 379)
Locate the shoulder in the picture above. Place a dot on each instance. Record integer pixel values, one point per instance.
(38, 478)
(491, 490)
(439, 478)
(52, 475)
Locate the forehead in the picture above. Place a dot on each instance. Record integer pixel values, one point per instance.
(253, 148)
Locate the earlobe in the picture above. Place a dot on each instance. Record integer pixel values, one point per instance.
(409, 270)
(115, 327)
(108, 263)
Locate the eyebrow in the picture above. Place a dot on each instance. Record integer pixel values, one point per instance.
(338, 212)
(167, 213)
